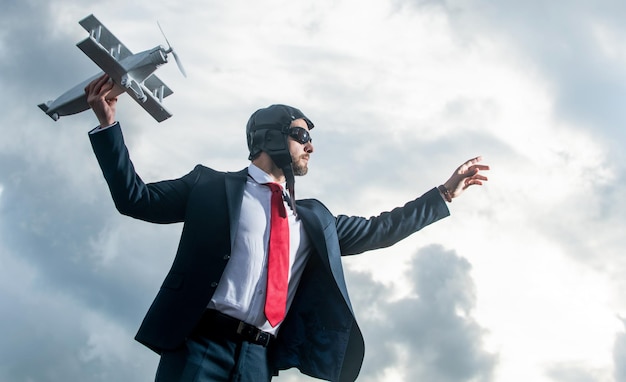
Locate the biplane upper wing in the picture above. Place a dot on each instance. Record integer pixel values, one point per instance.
(148, 94)
(101, 57)
(104, 37)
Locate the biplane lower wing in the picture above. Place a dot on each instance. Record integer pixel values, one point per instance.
(152, 104)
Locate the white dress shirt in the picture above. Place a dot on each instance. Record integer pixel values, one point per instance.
(242, 288)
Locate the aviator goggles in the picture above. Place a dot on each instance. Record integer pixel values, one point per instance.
(300, 134)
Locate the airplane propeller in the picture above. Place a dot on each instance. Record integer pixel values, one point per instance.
(170, 49)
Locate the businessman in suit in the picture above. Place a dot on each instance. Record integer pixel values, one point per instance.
(257, 284)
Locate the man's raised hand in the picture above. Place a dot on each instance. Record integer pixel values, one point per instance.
(97, 92)
(466, 175)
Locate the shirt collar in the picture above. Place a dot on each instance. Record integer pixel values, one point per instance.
(261, 176)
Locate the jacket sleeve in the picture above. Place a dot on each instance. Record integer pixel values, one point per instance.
(160, 202)
(358, 234)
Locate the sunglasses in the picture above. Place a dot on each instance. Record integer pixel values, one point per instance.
(300, 134)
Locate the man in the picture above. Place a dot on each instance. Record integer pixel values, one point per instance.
(257, 284)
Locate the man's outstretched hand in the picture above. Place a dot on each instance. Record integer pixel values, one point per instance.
(468, 174)
(97, 92)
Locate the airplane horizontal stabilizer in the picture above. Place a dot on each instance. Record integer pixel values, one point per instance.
(45, 108)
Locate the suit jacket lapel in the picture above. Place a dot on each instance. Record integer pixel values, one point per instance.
(313, 228)
(322, 237)
(235, 184)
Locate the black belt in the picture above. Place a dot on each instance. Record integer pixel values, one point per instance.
(217, 323)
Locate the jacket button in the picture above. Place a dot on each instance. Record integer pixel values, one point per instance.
(213, 284)
(226, 257)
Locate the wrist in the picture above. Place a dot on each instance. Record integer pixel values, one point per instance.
(105, 122)
(445, 193)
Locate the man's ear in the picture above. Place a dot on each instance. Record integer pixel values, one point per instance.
(274, 141)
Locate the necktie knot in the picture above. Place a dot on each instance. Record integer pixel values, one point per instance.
(277, 198)
(275, 187)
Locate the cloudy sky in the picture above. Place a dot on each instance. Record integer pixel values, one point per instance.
(522, 283)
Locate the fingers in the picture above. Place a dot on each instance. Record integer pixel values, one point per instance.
(100, 87)
(470, 166)
(96, 84)
(474, 171)
(473, 177)
(473, 168)
(466, 175)
(480, 167)
(467, 184)
(97, 92)
(471, 162)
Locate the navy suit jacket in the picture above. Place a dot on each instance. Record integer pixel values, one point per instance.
(320, 335)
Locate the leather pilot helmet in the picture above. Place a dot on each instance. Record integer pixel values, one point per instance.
(268, 128)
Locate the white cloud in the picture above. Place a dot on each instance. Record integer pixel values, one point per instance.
(619, 354)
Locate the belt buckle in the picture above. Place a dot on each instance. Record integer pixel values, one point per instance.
(241, 328)
(252, 334)
(247, 331)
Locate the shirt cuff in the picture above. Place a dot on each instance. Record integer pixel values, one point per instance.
(100, 128)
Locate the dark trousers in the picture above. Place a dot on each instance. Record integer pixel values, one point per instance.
(214, 358)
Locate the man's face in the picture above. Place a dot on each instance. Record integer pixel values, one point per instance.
(300, 153)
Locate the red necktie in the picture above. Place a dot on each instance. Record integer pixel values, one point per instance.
(278, 262)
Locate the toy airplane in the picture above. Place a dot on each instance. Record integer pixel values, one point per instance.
(132, 73)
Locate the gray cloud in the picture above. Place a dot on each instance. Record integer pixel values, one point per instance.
(443, 342)
(50, 336)
(34, 43)
(66, 260)
(572, 373)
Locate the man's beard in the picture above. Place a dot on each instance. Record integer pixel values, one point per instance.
(299, 169)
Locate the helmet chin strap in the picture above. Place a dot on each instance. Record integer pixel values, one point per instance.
(276, 145)
(291, 181)
(282, 159)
